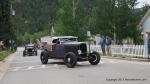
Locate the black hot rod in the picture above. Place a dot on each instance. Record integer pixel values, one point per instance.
(70, 50)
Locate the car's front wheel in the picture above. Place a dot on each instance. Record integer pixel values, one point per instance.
(94, 58)
(70, 60)
(44, 57)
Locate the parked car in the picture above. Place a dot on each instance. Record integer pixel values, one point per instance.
(30, 49)
(70, 50)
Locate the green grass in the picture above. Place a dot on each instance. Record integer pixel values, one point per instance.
(4, 54)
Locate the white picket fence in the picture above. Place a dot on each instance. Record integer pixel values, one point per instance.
(124, 50)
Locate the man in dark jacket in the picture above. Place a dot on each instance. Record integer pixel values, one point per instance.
(148, 48)
(108, 45)
(103, 43)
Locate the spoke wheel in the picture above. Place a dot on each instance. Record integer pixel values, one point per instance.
(70, 60)
(94, 58)
(44, 57)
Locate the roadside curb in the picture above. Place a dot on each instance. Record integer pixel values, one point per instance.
(4, 65)
(127, 58)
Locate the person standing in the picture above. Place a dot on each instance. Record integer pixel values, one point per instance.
(108, 45)
(103, 43)
(149, 48)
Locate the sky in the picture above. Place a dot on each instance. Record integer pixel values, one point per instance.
(142, 2)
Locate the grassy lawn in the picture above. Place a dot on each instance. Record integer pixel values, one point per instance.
(4, 54)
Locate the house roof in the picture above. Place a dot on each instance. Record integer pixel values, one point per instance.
(145, 18)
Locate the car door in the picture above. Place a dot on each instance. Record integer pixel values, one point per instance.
(59, 51)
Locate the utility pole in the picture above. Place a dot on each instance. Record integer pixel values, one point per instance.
(114, 34)
(73, 12)
(52, 31)
(10, 26)
(12, 12)
(74, 7)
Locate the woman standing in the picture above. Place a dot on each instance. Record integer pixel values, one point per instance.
(148, 48)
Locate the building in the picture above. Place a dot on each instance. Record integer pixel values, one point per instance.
(145, 26)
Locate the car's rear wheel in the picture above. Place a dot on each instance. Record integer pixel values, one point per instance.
(94, 58)
(70, 60)
(44, 57)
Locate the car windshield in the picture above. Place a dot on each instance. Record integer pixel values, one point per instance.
(67, 39)
(29, 46)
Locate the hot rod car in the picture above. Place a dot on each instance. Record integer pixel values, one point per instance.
(70, 50)
(30, 50)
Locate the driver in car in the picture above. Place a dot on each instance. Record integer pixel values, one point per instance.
(55, 44)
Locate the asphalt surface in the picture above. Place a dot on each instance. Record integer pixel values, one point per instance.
(29, 70)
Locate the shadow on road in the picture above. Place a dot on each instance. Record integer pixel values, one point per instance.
(59, 63)
(78, 65)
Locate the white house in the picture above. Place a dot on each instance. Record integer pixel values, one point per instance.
(145, 26)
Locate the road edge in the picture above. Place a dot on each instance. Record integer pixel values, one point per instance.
(134, 59)
(4, 65)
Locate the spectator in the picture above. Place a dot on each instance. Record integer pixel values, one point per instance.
(148, 48)
(108, 45)
(103, 43)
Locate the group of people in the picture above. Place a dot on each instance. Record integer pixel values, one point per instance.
(105, 43)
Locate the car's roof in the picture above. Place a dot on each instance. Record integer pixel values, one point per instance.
(57, 37)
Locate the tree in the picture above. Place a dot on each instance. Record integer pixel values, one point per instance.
(105, 17)
(145, 8)
(5, 24)
(70, 18)
(34, 16)
(117, 17)
(126, 20)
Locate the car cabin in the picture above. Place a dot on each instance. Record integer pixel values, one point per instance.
(63, 39)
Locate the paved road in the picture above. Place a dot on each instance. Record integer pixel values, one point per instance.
(29, 70)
